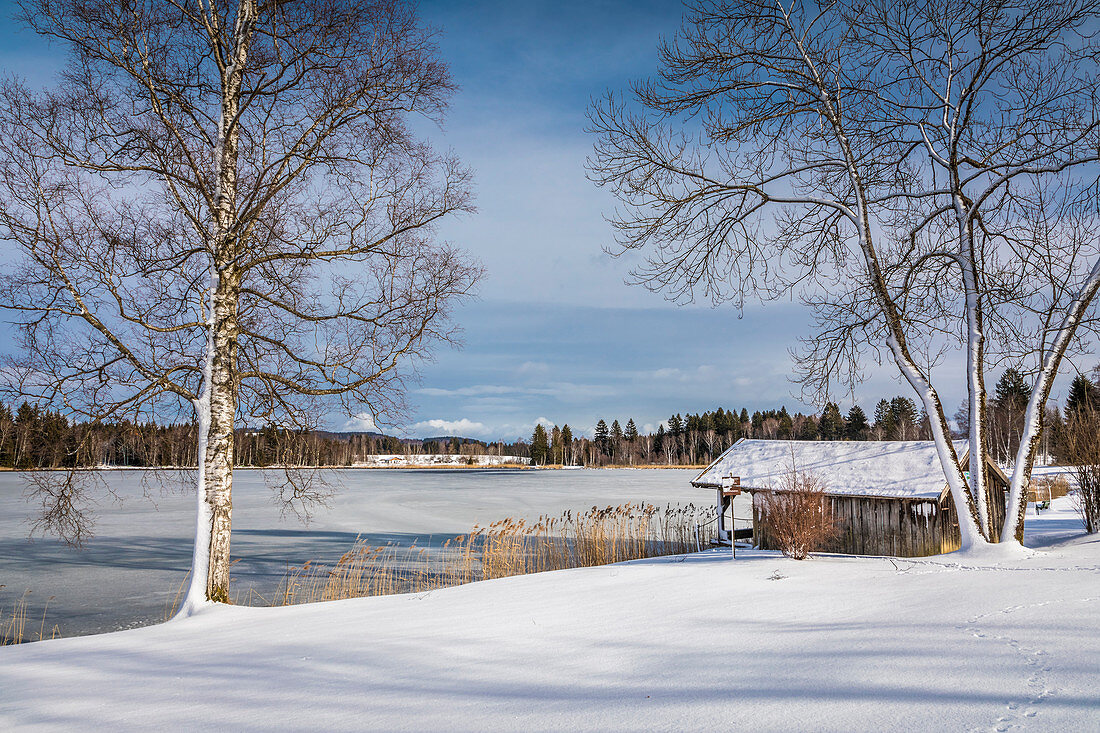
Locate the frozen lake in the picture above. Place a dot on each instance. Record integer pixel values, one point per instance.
(131, 569)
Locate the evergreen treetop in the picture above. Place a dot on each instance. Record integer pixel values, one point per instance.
(1012, 390)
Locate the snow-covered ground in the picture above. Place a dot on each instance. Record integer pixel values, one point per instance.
(701, 642)
(133, 567)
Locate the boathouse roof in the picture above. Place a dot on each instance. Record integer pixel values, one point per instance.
(894, 468)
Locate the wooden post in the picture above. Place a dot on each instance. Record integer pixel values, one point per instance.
(731, 487)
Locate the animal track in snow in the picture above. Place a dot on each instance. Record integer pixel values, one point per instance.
(1035, 660)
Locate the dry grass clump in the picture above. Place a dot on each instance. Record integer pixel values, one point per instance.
(798, 515)
(13, 624)
(504, 548)
(1049, 487)
(363, 570)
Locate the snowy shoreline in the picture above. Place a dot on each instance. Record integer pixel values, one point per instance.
(132, 568)
(696, 642)
(357, 466)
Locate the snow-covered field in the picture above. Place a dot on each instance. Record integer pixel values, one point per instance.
(703, 642)
(142, 549)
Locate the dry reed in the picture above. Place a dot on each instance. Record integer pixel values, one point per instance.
(1049, 487)
(507, 547)
(13, 626)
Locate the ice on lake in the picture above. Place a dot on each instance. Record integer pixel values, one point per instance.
(132, 568)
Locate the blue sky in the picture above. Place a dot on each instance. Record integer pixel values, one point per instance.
(556, 335)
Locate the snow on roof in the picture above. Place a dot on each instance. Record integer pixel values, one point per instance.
(864, 468)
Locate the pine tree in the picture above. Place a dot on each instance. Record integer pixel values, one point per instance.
(1083, 394)
(616, 431)
(905, 415)
(884, 421)
(540, 445)
(616, 438)
(723, 421)
(786, 425)
(567, 444)
(831, 425)
(857, 427)
(1012, 391)
(599, 437)
(631, 432)
(1005, 416)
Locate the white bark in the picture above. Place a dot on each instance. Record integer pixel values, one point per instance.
(969, 530)
(200, 557)
(1016, 503)
(970, 534)
(216, 407)
(975, 382)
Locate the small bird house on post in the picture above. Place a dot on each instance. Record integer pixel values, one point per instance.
(730, 487)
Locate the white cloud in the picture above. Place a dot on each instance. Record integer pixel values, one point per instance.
(533, 368)
(471, 391)
(480, 390)
(701, 373)
(463, 428)
(362, 422)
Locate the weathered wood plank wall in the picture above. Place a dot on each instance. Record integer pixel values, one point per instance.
(878, 526)
(901, 527)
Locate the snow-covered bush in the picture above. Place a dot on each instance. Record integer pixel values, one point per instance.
(798, 514)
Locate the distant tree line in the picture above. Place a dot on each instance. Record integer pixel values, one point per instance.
(693, 439)
(701, 437)
(34, 437)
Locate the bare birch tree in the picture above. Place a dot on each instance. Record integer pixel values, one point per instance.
(221, 209)
(853, 153)
(1003, 96)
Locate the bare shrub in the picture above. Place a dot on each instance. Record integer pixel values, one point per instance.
(1088, 497)
(1081, 447)
(798, 515)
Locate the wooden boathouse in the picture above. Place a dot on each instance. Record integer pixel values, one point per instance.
(889, 497)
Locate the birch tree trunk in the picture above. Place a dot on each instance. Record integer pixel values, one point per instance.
(217, 458)
(218, 455)
(1020, 482)
(975, 382)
